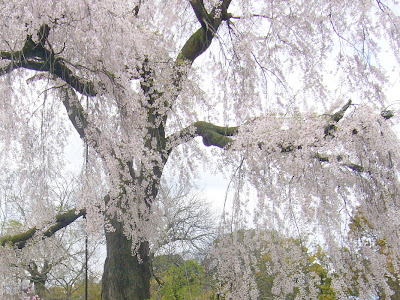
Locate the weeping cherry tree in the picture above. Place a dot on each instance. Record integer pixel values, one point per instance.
(290, 100)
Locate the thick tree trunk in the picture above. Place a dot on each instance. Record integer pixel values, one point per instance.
(126, 276)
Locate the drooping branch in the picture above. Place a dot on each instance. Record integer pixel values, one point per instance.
(90, 133)
(329, 130)
(37, 56)
(62, 220)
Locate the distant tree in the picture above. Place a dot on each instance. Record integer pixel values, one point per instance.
(176, 278)
(187, 229)
(250, 251)
(69, 274)
(264, 83)
(187, 224)
(59, 260)
(59, 293)
(368, 243)
(265, 277)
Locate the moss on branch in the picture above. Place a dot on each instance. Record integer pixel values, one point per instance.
(335, 118)
(62, 220)
(213, 135)
(35, 56)
(199, 41)
(195, 46)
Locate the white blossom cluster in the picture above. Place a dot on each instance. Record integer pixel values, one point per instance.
(345, 172)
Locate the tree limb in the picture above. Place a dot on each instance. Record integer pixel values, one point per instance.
(34, 56)
(213, 135)
(79, 119)
(76, 113)
(336, 117)
(201, 39)
(200, 12)
(62, 220)
(221, 137)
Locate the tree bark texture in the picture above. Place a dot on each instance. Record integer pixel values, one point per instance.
(126, 275)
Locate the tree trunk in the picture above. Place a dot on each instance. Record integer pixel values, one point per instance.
(126, 276)
(39, 288)
(39, 278)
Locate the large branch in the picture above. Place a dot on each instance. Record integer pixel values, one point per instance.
(197, 43)
(62, 220)
(76, 113)
(201, 39)
(223, 137)
(35, 56)
(200, 12)
(90, 133)
(213, 135)
(335, 118)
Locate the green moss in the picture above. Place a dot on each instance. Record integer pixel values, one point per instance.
(215, 135)
(19, 239)
(387, 114)
(195, 45)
